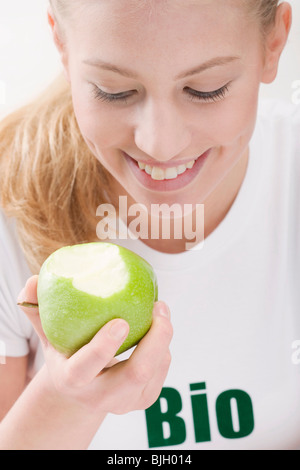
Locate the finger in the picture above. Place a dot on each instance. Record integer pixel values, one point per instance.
(154, 387)
(121, 393)
(153, 347)
(113, 362)
(30, 291)
(83, 366)
(28, 295)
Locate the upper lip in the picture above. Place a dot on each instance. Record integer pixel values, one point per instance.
(171, 164)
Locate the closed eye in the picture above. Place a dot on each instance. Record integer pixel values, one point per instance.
(194, 95)
(110, 97)
(207, 95)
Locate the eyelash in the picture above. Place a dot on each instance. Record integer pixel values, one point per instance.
(103, 96)
(194, 95)
(211, 96)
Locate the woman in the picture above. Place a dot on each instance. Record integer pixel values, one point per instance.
(159, 105)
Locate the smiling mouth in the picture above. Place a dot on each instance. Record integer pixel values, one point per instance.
(167, 178)
(160, 174)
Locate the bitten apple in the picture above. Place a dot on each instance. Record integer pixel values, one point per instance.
(82, 287)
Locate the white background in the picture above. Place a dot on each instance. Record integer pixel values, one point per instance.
(29, 60)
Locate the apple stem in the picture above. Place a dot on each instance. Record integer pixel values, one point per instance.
(28, 305)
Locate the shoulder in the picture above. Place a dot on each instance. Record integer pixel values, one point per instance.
(277, 109)
(278, 123)
(276, 144)
(280, 114)
(15, 329)
(12, 256)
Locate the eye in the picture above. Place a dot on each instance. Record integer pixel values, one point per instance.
(110, 97)
(210, 96)
(194, 95)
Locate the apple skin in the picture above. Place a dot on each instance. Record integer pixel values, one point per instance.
(70, 317)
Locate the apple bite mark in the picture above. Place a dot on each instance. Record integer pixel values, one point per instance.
(97, 270)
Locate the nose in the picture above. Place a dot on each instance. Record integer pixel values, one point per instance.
(161, 132)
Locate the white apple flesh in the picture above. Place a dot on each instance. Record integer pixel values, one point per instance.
(82, 287)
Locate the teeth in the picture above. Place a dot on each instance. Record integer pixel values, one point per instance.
(148, 169)
(157, 173)
(160, 174)
(190, 164)
(170, 173)
(181, 169)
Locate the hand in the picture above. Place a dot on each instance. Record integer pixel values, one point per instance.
(92, 377)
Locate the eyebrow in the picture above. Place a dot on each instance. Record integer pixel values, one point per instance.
(215, 62)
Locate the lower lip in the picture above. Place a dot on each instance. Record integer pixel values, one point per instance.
(167, 185)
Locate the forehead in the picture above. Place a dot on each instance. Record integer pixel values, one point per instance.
(111, 14)
(121, 28)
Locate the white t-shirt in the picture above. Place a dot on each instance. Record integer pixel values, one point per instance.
(234, 380)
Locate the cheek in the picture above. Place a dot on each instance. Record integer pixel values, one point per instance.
(236, 121)
(97, 124)
(233, 120)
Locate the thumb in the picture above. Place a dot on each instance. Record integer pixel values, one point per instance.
(27, 300)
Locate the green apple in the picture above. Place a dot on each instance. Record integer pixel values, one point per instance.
(82, 287)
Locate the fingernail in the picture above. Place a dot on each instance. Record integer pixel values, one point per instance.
(118, 330)
(164, 310)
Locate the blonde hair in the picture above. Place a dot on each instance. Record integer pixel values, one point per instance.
(50, 181)
(263, 10)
